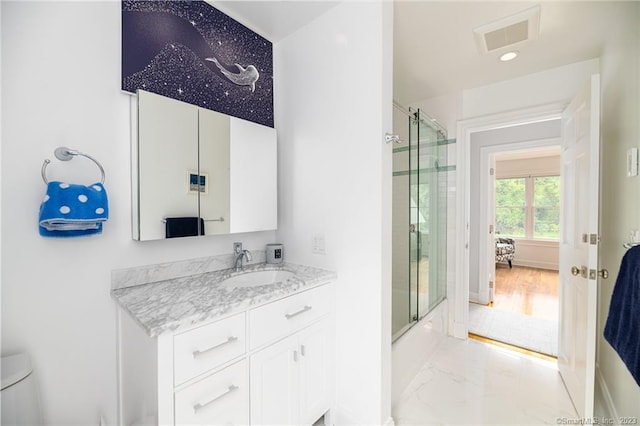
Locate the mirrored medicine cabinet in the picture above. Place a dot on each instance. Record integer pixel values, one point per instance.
(217, 172)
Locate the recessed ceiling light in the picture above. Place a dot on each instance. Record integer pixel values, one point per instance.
(509, 56)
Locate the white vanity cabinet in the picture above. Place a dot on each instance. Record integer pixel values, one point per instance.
(291, 379)
(272, 364)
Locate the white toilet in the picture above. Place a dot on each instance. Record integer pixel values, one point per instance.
(19, 396)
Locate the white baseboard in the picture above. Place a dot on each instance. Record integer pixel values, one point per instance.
(612, 413)
(536, 264)
(460, 331)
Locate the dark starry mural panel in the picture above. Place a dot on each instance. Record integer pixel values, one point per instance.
(192, 52)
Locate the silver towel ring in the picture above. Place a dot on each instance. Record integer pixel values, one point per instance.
(66, 154)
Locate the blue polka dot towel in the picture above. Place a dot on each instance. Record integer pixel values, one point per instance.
(70, 210)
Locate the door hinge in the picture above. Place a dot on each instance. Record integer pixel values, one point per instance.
(594, 239)
(491, 284)
(491, 171)
(491, 229)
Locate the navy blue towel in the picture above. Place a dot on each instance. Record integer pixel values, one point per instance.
(622, 330)
(183, 227)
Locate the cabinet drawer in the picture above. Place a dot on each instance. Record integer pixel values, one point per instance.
(219, 399)
(207, 347)
(285, 316)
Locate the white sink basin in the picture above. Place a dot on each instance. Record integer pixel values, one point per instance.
(256, 278)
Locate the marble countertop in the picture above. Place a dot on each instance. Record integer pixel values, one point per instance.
(169, 305)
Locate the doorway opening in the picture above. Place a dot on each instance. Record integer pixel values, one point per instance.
(578, 248)
(514, 193)
(523, 215)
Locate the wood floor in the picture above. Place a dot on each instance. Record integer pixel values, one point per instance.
(528, 291)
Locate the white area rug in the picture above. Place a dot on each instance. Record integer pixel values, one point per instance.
(536, 334)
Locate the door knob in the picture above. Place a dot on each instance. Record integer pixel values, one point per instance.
(603, 273)
(575, 271)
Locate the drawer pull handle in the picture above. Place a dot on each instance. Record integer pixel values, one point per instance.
(301, 311)
(199, 352)
(200, 405)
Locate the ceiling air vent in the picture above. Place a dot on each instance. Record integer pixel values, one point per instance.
(509, 31)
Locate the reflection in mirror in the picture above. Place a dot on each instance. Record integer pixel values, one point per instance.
(214, 171)
(167, 154)
(200, 172)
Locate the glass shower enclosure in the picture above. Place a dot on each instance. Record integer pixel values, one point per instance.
(421, 180)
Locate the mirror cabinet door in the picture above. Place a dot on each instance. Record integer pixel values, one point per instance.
(215, 172)
(167, 156)
(254, 177)
(214, 168)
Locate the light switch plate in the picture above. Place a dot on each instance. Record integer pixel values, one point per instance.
(318, 244)
(632, 162)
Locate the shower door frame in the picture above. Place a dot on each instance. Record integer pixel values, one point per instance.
(416, 120)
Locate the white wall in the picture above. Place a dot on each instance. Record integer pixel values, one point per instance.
(546, 87)
(620, 195)
(61, 86)
(333, 106)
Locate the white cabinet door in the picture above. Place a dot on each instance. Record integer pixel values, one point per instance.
(315, 365)
(274, 378)
(291, 380)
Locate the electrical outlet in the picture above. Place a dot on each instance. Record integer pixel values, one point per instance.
(318, 244)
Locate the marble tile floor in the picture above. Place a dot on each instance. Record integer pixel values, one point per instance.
(467, 382)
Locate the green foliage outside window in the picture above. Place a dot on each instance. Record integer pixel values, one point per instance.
(510, 207)
(515, 218)
(546, 201)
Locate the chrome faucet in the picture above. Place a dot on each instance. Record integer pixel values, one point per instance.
(239, 255)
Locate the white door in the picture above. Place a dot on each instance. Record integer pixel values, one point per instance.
(274, 384)
(491, 242)
(315, 382)
(579, 246)
(487, 213)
